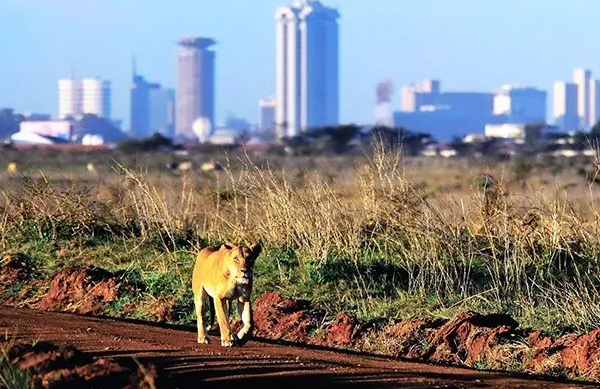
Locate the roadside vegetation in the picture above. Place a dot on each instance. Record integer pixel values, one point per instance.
(374, 235)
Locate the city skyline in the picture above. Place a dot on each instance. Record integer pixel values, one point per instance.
(381, 40)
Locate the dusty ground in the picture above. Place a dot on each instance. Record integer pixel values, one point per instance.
(257, 363)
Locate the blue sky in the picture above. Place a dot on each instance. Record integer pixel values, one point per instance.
(468, 44)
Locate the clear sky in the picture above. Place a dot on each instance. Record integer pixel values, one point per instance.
(468, 44)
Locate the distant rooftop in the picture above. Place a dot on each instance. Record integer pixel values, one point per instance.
(196, 42)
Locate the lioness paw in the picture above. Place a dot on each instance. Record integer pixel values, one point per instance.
(203, 340)
(227, 343)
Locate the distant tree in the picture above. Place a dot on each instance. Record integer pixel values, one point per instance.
(411, 143)
(157, 142)
(595, 130)
(9, 122)
(326, 140)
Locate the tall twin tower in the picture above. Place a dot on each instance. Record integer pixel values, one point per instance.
(307, 72)
(307, 66)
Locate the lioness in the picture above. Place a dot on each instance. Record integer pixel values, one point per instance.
(224, 274)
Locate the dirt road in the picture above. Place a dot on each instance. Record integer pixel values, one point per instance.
(258, 363)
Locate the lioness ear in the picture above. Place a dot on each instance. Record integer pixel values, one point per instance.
(256, 248)
(229, 245)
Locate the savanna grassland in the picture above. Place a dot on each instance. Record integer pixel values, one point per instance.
(373, 234)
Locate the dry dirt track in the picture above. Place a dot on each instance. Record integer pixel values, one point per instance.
(258, 363)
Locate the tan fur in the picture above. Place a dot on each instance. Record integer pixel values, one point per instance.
(225, 274)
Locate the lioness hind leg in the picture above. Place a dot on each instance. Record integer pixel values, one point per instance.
(199, 300)
(212, 324)
(245, 312)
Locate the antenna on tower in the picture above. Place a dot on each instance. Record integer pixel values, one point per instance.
(133, 66)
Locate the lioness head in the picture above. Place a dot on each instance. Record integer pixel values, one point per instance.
(243, 259)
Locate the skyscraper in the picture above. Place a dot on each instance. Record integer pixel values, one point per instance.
(161, 103)
(69, 98)
(139, 105)
(96, 97)
(267, 108)
(594, 102)
(195, 97)
(152, 108)
(89, 96)
(307, 66)
(566, 116)
(582, 78)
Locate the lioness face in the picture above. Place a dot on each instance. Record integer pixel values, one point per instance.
(243, 263)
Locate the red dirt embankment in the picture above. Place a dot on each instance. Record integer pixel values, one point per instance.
(84, 290)
(51, 366)
(488, 341)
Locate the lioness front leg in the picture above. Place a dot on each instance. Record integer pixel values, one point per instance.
(222, 318)
(245, 312)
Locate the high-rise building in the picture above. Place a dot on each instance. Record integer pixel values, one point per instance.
(594, 102)
(69, 98)
(521, 104)
(96, 97)
(582, 78)
(152, 108)
(266, 115)
(139, 94)
(195, 91)
(307, 66)
(383, 108)
(161, 103)
(89, 96)
(566, 116)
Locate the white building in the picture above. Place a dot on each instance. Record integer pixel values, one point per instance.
(307, 66)
(53, 128)
(523, 104)
(69, 98)
(517, 131)
(582, 78)
(564, 107)
(266, 115)
(225, 137)
(96, 97)
(89, 96)
(195, 89)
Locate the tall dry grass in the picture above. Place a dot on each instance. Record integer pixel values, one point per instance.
(533, 254)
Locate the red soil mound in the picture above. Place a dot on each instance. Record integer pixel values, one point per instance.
(14, 268)
(51, 366)
(284, 319)
(81, 290)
